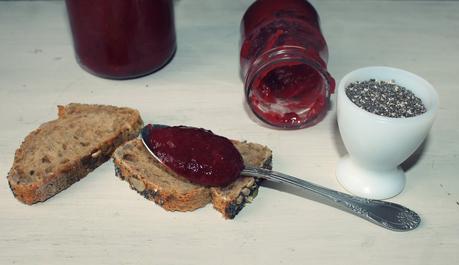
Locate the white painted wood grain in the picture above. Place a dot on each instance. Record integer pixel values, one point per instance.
(101, 221)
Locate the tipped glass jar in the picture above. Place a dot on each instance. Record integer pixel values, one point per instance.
(122, 39)
(284, 63)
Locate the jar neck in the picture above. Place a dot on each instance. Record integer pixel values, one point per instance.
(258, 75)
(293, 54)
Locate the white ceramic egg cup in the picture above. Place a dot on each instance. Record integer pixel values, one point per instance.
(377, 145)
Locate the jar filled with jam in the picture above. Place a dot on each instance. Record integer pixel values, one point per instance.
(121, 39)
(284, 63)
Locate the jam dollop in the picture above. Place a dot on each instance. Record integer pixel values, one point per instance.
(197, 154)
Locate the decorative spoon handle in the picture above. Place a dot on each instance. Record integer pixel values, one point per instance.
(386, 214)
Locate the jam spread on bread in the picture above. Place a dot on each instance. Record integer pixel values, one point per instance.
(196, 154)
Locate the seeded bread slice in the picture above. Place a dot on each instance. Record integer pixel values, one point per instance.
(231, 199)
(62, 151)
(134, 164)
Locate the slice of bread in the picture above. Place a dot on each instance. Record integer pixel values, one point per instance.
(134, 164)
(62, 151)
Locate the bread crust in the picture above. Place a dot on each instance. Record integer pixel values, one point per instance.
(30, 192)
(169, 198)
(229, 200)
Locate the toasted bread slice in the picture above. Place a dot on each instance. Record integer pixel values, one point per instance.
(62, 151)
(134, 164)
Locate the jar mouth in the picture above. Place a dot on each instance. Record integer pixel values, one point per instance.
(289, 93)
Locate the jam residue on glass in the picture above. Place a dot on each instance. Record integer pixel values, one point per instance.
(196, 154)
(284, 63)
(289, 95)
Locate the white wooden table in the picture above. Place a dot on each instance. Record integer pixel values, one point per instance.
(99, 220)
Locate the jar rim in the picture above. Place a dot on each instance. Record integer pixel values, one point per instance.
(269, 65)
(288, 53)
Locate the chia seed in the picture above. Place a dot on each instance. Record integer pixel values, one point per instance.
(385, 98)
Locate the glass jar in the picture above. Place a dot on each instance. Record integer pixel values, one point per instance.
(284, 63)
(122, 39)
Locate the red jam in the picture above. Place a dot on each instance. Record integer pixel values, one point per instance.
(293, 88)
(284, 63)
(122, 39)
(197, 154)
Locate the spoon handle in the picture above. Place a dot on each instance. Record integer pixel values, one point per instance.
(386, 214)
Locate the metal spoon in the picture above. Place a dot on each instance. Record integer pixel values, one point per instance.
(386, 214)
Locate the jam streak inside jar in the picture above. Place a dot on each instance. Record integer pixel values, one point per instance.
(288, 95)
(196, 154)
(284, 63)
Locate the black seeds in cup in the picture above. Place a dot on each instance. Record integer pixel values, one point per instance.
(385, 98)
